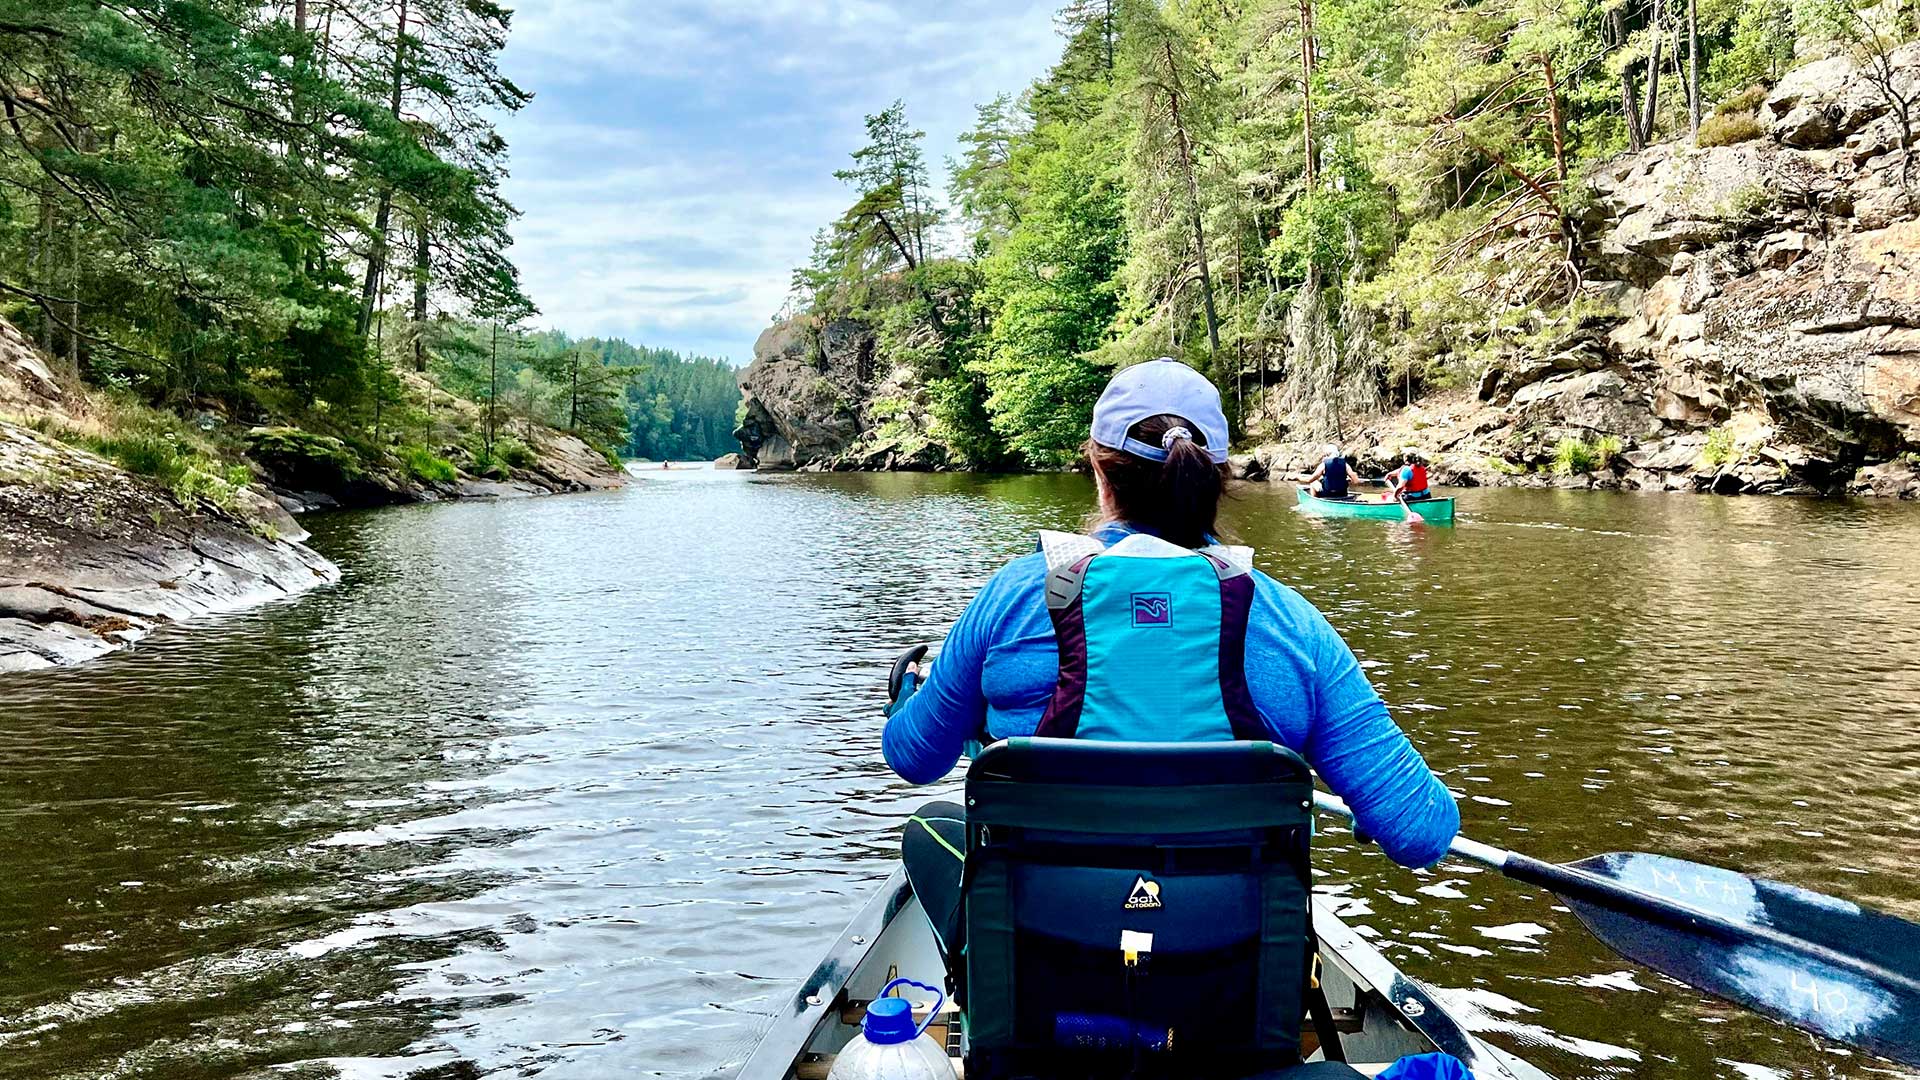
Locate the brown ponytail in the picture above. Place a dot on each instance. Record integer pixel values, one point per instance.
(1177, 499)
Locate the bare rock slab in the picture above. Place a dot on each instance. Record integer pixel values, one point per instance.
(93, 558)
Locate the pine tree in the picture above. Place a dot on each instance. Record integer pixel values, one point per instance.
(1174, 103)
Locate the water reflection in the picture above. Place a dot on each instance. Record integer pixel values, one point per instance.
(581, 786)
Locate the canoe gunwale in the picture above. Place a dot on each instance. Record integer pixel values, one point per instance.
(1437, 511)
(813, 1003)
(1411, 1002)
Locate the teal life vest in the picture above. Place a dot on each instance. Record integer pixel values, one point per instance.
(1152, 640)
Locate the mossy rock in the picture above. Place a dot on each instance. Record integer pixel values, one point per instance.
(303, 460)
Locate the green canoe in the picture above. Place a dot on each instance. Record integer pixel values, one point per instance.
(1438, 511)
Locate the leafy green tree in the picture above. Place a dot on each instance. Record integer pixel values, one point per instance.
(885, 230)
(183, 186)
(1174, 102)
(1051, 290)
(1761, 48)
(984, 184)
(1077, 88)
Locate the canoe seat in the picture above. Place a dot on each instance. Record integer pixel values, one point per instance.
(1136, 909)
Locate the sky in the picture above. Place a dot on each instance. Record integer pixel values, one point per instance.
(678, 155)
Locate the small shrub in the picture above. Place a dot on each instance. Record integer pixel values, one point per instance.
(1572, 455)
(515, 453)
(1746, 101)
(194, 484)
(1505, 467)
(1727, 129)
(889, 408)
(1719, 448)
(488, 465)
(427, 466)
(822, 394)
(194, 479)
(1748, 201)
(1607, 447)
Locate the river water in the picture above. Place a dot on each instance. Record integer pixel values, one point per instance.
(581, 787)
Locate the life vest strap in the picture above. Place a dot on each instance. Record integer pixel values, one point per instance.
(1065, 548)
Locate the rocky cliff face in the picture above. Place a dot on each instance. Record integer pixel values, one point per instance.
(819, 396)
(1767, 336)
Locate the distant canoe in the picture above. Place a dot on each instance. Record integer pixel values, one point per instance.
(1437, 511)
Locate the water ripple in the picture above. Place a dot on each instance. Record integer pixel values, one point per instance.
(580, 787)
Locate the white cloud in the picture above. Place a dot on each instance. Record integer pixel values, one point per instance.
(678, 155)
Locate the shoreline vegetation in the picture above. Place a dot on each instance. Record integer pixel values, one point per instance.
(117, 518)
(291, 218)
(253, 261)
(1665, 246)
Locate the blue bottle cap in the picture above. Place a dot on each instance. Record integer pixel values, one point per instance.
(889, 1020)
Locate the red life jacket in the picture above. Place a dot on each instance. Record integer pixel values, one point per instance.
(1414, 479)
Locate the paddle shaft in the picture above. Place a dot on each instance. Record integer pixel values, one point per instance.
(1602, 892)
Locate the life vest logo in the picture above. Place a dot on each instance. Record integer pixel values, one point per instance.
(1152, 609)
(1145, 895)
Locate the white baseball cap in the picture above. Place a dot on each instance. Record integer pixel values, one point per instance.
(1163, 386)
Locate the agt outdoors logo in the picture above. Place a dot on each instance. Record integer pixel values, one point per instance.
(1145, 895)
(1152, 609)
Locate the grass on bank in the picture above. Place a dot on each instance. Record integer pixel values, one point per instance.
(425, 465)
(1573, 455)
(191, 463)
(1726, 130)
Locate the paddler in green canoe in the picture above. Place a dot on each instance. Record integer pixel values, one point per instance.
(1330, 480)
(1409, 482)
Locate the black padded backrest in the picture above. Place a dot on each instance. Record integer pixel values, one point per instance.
(1059, 831)
(1088, 786)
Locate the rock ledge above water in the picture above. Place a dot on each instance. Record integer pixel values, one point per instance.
(92, 558)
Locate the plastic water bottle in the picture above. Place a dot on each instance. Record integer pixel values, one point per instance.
(890, 1047)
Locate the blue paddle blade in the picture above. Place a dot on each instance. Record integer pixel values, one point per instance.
(1814, 961)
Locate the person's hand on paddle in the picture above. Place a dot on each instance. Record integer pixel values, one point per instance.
(904, 679)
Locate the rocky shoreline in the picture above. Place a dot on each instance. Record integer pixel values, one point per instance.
(93, 558)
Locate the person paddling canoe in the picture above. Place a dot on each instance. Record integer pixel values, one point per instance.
(1160, 634)
(1409, 482)
(1330, 480)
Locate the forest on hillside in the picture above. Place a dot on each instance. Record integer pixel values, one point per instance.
(641, 402)
(292, 213)
(1348, 200)
(213, 204)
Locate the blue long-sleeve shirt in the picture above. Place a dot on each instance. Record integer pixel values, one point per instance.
(997, 670)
